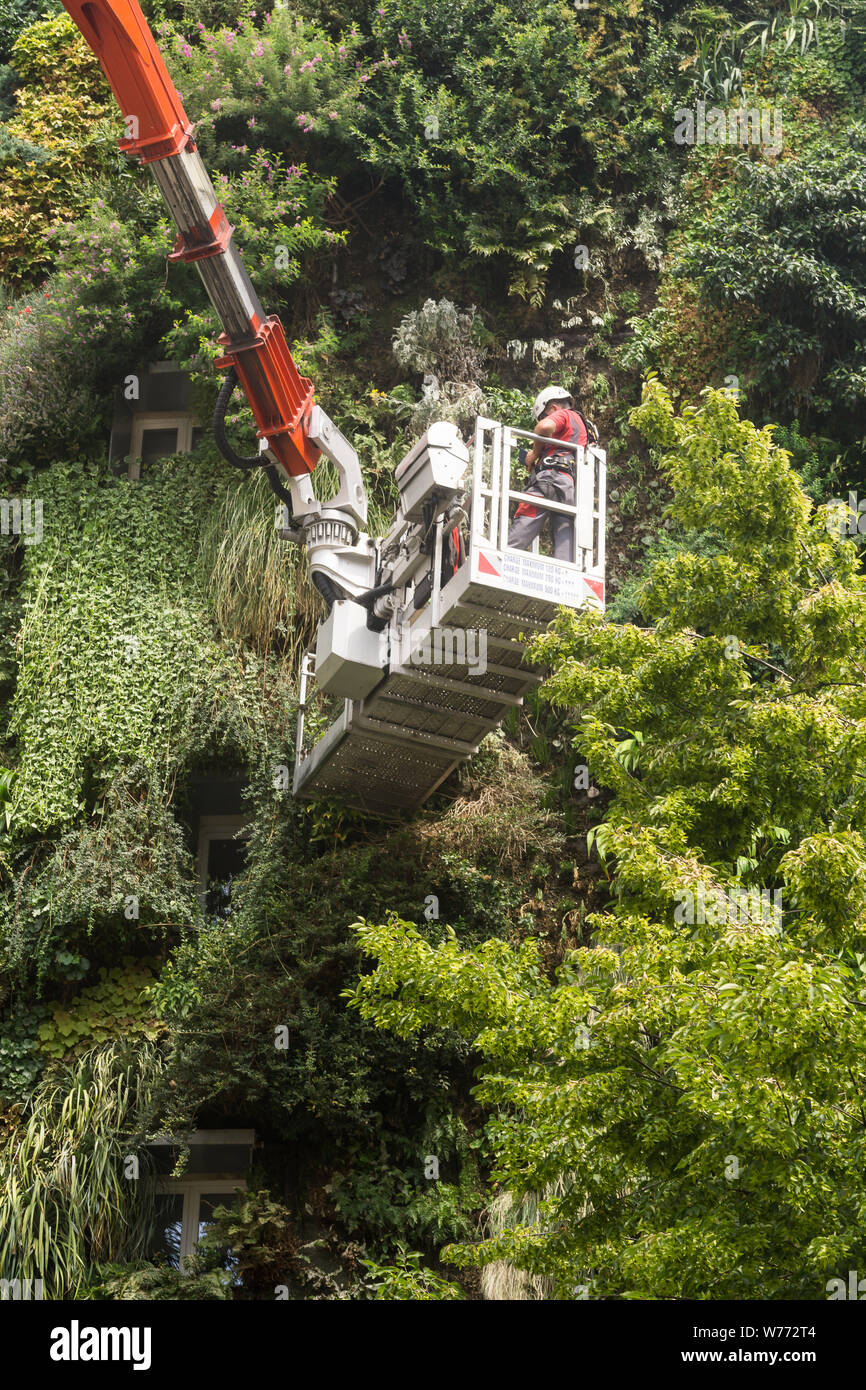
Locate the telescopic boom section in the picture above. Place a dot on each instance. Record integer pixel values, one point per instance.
(159, 132)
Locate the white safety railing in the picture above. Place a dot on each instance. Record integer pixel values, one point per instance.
(316, 709)
(322, 719)
(494, 457)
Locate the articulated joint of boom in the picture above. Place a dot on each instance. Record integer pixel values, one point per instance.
(339, 551)
(349, 502)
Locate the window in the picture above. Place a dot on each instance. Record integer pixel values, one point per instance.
(221, 858)
(184, 1210)
(156, 435)
(218, 1160)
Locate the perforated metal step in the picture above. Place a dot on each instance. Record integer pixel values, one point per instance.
(388, 753)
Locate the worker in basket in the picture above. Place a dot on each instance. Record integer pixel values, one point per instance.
(552, 471)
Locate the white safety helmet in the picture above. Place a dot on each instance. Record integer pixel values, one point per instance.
(543, 399)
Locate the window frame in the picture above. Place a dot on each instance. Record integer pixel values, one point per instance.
(183, 421)
(192, 1190)
(229, 827)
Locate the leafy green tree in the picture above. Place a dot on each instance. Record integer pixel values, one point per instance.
(687, 1091)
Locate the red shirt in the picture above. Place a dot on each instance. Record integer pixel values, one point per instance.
(568, 426)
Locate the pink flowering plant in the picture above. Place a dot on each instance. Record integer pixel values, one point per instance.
(276, 82)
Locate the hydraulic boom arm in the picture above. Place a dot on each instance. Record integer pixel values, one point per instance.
(295, 431)
(395, 647)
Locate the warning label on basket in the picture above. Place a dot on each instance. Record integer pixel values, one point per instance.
(532, 574)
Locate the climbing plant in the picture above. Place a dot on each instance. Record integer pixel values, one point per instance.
(123, 690)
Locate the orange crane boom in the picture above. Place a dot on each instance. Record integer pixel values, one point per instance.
(161, 135)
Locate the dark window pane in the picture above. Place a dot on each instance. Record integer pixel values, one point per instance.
(168, 1219)
(158, 444)
(219, 1158)
(225, 860)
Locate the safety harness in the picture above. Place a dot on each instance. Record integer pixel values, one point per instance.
(558, 460)
(578, 433)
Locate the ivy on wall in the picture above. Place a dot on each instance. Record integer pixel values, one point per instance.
(124, 688)
(116, 651)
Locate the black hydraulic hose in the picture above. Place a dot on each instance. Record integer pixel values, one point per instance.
(273, 477)
(367, 600)
(328, 589)
(244, 461)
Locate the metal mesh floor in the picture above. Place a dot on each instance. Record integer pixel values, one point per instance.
(390, 752)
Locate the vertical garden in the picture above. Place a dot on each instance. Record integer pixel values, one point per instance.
(450, 207)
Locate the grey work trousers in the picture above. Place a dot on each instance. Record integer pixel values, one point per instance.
(556, 486)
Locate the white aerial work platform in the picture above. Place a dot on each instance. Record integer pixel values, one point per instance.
(440, 676)
(422, 668)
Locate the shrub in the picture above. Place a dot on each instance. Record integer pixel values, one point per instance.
(787, 241)
(60, 111)
(443, 344)
(490, 116)
(64, 348)
(146, 1280)
(16, 15)
(280, 85)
